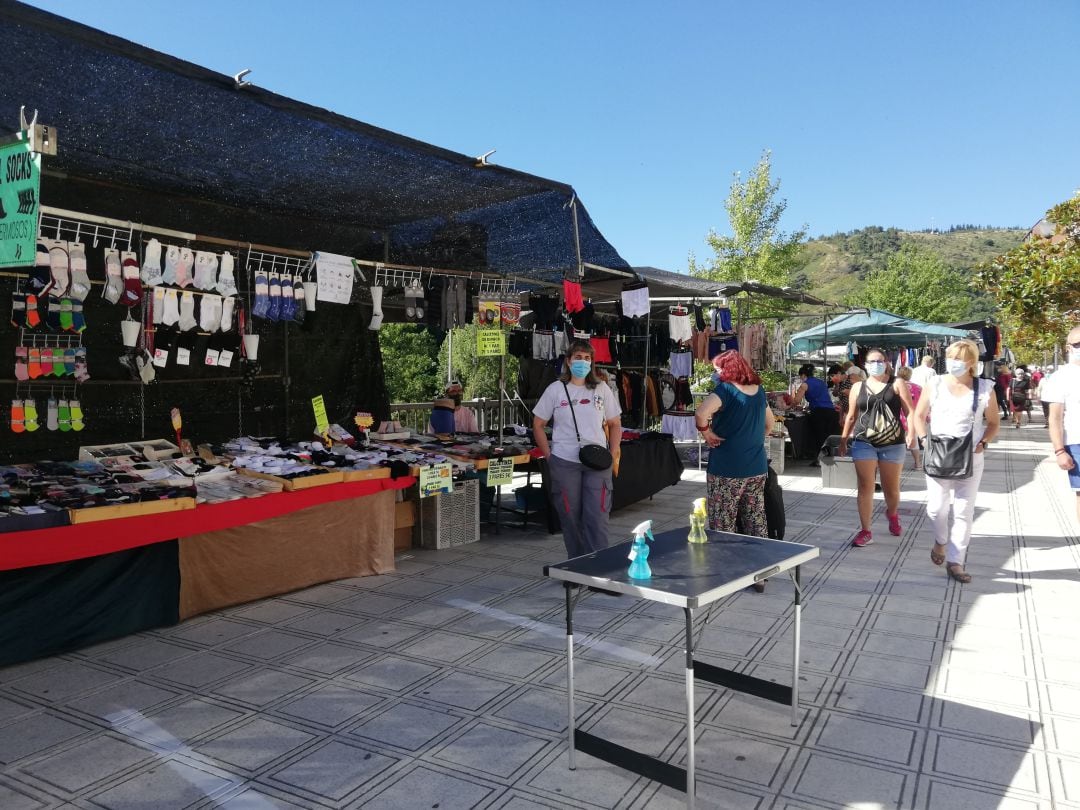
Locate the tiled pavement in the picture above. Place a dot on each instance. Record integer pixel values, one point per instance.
(442, 685)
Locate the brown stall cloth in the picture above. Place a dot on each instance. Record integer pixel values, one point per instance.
(337, 540)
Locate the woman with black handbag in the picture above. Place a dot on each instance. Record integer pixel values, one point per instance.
(955, 437)
(873, 418)
(582, 456)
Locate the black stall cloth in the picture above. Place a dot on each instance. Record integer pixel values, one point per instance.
(50, 609)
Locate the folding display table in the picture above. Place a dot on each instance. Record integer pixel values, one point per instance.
(690, 576)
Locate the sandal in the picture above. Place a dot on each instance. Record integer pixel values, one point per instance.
(957, 572)
(937, 557)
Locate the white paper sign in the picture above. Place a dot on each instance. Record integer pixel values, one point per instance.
(335, 276)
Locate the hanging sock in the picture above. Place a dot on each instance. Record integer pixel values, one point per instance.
(18, 310)
(183, 267)
(81, 372)
(187, 312)
(30, 417)
(376, 309)
(77, 422)
(170, 311)
(41, 276)
(172, 258)
(22, 371)
(60, 265)
(33, 317)
(69, 362)
(274, 312)
(151, 266)
(78, 318)
(209, 313)
(52, 316)
(288, 300)
(66, 322)
(33, 363)
(206, 265)
(298, 298)
(65, 416)
(18, 421)
(226, 307)
(45, 362)
(114, 280)
(52, 414)
(132, 286)
(80, 279)
(59, 360)
(226, 282)
(158, 305)
(262, 296)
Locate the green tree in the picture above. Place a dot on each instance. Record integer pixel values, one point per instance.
(1036, 285)
(479, 376)
(916, 283)
(756, 250)
(409, 354)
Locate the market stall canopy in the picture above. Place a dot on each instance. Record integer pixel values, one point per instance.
(874, 327)
(258, 166)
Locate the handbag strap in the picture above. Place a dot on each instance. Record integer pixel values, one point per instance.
(570, 404)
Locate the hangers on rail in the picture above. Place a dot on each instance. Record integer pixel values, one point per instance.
(72, 230)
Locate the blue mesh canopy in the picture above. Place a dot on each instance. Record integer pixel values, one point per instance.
(873, 327)
(138, 119)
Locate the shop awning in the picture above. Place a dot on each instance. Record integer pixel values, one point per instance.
(873, 327)
(249, 164)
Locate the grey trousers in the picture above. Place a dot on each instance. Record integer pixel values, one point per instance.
(582, 499)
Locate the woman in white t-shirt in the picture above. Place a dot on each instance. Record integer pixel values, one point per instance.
(947, 402)
(581, 496)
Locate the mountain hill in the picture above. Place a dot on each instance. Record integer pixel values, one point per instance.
(835, 267)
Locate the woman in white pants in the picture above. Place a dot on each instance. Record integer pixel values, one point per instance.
(947, 401)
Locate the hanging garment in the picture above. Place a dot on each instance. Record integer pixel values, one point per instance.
(543, 345)
(699, 344)
(572, 299)
(601, 350)
(720, 319)
(679, 325)
(718, 344)
(544, 309)
(635, 299)
(652, 398)
(680, 425)
(681, 363)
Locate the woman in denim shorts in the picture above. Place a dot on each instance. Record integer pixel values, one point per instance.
(870, 460)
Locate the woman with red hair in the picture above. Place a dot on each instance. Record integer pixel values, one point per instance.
(734, 421)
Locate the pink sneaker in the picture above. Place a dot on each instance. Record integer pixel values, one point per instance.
(863, 538)
(894, 524)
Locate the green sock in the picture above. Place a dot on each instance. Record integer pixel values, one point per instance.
(66, 322)
(76, 416)
(30, 415)
(65, 416)
(59, 368)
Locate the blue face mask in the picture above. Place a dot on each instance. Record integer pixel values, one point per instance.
(875, 367)
(579, 368)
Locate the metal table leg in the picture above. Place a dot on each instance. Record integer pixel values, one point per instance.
(690, 771)
(570, 673)
(796, 578)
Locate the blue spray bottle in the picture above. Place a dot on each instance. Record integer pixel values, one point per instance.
(639, 552)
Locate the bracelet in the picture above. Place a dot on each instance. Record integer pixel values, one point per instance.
(1059, 451)
(702, 429)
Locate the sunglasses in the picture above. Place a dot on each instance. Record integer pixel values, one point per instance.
(1075, 345)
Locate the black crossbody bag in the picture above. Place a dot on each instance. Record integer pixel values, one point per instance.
(951, 456)
(593, 456)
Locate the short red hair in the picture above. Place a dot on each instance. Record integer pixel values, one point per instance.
(733, 368)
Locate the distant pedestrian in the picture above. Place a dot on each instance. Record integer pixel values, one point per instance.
(1062, 390)
(946, 406)
(1001, 390)
(822, 413)
(1019, 396)
(879, 447)
(922, 375)
(915, 390)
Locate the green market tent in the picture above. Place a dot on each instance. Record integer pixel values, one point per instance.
(872, 327)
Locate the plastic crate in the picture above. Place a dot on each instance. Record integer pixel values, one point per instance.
(450, 519)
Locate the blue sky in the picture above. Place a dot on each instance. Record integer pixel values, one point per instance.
(915, 114)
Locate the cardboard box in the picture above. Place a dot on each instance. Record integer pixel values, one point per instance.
(404, 514)
(403, 538)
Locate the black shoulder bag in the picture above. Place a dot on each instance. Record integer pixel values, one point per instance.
(951, 456)
(593, 456)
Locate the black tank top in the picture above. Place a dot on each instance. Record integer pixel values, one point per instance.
(888, 394)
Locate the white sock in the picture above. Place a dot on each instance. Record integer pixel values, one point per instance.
(187, 312)
(226, 283)
(183, 267)
(376, 309)
(159, 304)
(227, 314)
(206, 264)
(60, 267)
(209, 312)
(151, 266)
(171, 310)
(80, 280)
(114, 281)
(172, 256)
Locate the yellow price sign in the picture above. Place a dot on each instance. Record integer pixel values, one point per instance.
(435, 479)
(500, 472)
(322, 423)
(364, 420)
(490, 343)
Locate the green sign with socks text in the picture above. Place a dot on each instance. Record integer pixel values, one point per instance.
(20, 192)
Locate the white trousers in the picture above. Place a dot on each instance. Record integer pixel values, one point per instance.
(960, 495)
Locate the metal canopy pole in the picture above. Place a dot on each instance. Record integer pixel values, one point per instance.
(577, 238)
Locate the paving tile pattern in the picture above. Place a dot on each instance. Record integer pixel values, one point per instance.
(442, 685)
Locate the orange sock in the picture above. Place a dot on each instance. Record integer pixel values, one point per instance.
(17, 423)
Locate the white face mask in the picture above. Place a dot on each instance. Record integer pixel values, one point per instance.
(1074, 355)
(958, 368)
(875, 367)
